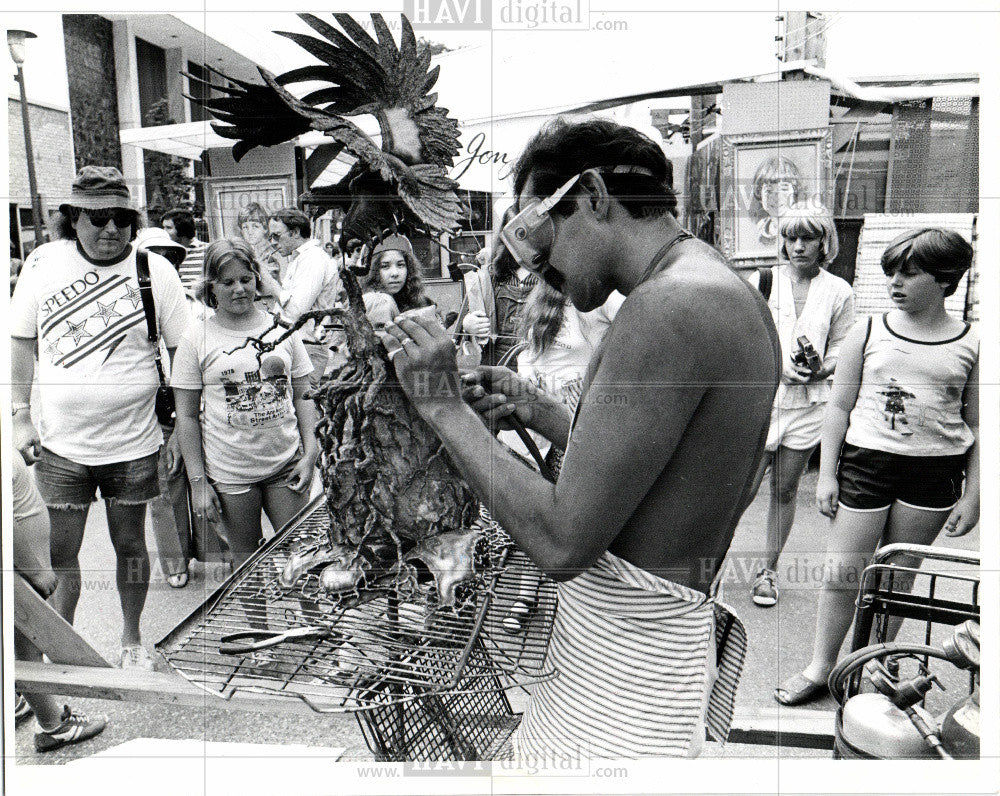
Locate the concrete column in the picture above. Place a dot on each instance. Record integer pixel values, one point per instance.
(176, 84)
(129, 114)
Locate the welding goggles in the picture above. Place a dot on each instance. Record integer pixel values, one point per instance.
(530, 234)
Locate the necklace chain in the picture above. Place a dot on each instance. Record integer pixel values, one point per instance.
(660, 255)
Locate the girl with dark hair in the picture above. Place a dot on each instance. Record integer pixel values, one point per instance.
(396, 272)
(253, 446)
(496, 296)
(394, 284)
(901, 434)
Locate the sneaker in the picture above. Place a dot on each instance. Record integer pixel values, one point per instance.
(765, 589)
(75, 727)
(135, 656)
(22, 710)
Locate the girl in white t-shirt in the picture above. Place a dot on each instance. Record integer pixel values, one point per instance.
(901, 433)
(253, 447)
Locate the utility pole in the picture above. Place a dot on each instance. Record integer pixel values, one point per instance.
(15, 43)
(804, 38)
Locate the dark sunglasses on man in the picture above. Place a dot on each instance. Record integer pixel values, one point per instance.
(99, 218)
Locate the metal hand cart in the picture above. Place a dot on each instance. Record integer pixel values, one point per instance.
(935, 599)
(938, 596)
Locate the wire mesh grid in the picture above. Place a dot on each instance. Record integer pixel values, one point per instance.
(389, 638)
(471, 723)
(943, 592)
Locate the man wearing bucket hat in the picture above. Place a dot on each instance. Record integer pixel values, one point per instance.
(79, 304)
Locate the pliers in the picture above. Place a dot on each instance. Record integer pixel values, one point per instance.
(250, 640)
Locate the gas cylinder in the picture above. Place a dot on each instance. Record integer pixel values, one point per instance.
(872, 727)
(960, 727)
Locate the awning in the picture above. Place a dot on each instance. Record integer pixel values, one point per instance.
(190, 139)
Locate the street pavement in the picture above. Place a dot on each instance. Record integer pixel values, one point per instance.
(780, 641)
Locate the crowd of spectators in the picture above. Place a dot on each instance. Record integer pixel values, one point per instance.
(894, 467)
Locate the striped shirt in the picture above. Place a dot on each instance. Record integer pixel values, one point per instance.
(645, 665)
(194, 263)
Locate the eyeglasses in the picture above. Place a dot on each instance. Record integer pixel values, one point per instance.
(275, 236)
(99, 218)
(353, 250)
(529, 235)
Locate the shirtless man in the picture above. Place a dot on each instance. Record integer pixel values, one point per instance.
(662, 454)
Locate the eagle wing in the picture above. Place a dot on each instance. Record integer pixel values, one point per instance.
(363, 75)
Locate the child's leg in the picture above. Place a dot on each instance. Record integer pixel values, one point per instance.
(164, 522)
(241, 529)
(854, 536)
(282, 503)
(241, 522)
(910, 525)
(786, 472)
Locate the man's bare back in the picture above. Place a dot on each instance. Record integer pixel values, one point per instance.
(697, 317)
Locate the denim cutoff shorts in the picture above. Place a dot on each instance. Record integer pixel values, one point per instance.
(68, 485)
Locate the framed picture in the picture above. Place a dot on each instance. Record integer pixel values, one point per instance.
(226, 197)
(762, 175)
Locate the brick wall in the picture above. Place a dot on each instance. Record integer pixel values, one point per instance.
(53, 145)
(93, 99)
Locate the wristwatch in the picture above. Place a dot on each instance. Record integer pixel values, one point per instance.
(18, 407)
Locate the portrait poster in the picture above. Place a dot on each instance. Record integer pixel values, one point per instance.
(763, 174)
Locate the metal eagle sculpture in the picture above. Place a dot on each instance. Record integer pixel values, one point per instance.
(405, 179)
(393, 495)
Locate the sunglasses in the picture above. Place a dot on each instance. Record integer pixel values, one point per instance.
(99, 218)
(529, 235)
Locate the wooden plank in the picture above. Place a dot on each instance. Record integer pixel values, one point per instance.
(48, 631)
(805, 729)
(134, 685)
(799, 728)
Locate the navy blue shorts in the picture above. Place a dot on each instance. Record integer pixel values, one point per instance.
(871, 479)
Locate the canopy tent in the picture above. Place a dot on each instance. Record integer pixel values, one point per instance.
(491, 144)
(191, 139)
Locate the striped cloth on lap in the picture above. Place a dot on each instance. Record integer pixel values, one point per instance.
(632, 651)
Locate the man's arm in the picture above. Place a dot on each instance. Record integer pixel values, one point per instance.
(269, 287)
(22, 373)
(641, 400)
(172, 313)
(496, 393)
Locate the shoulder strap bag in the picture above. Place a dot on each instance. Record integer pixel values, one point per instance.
(165, 410)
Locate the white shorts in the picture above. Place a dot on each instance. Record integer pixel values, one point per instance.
(797, 429)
